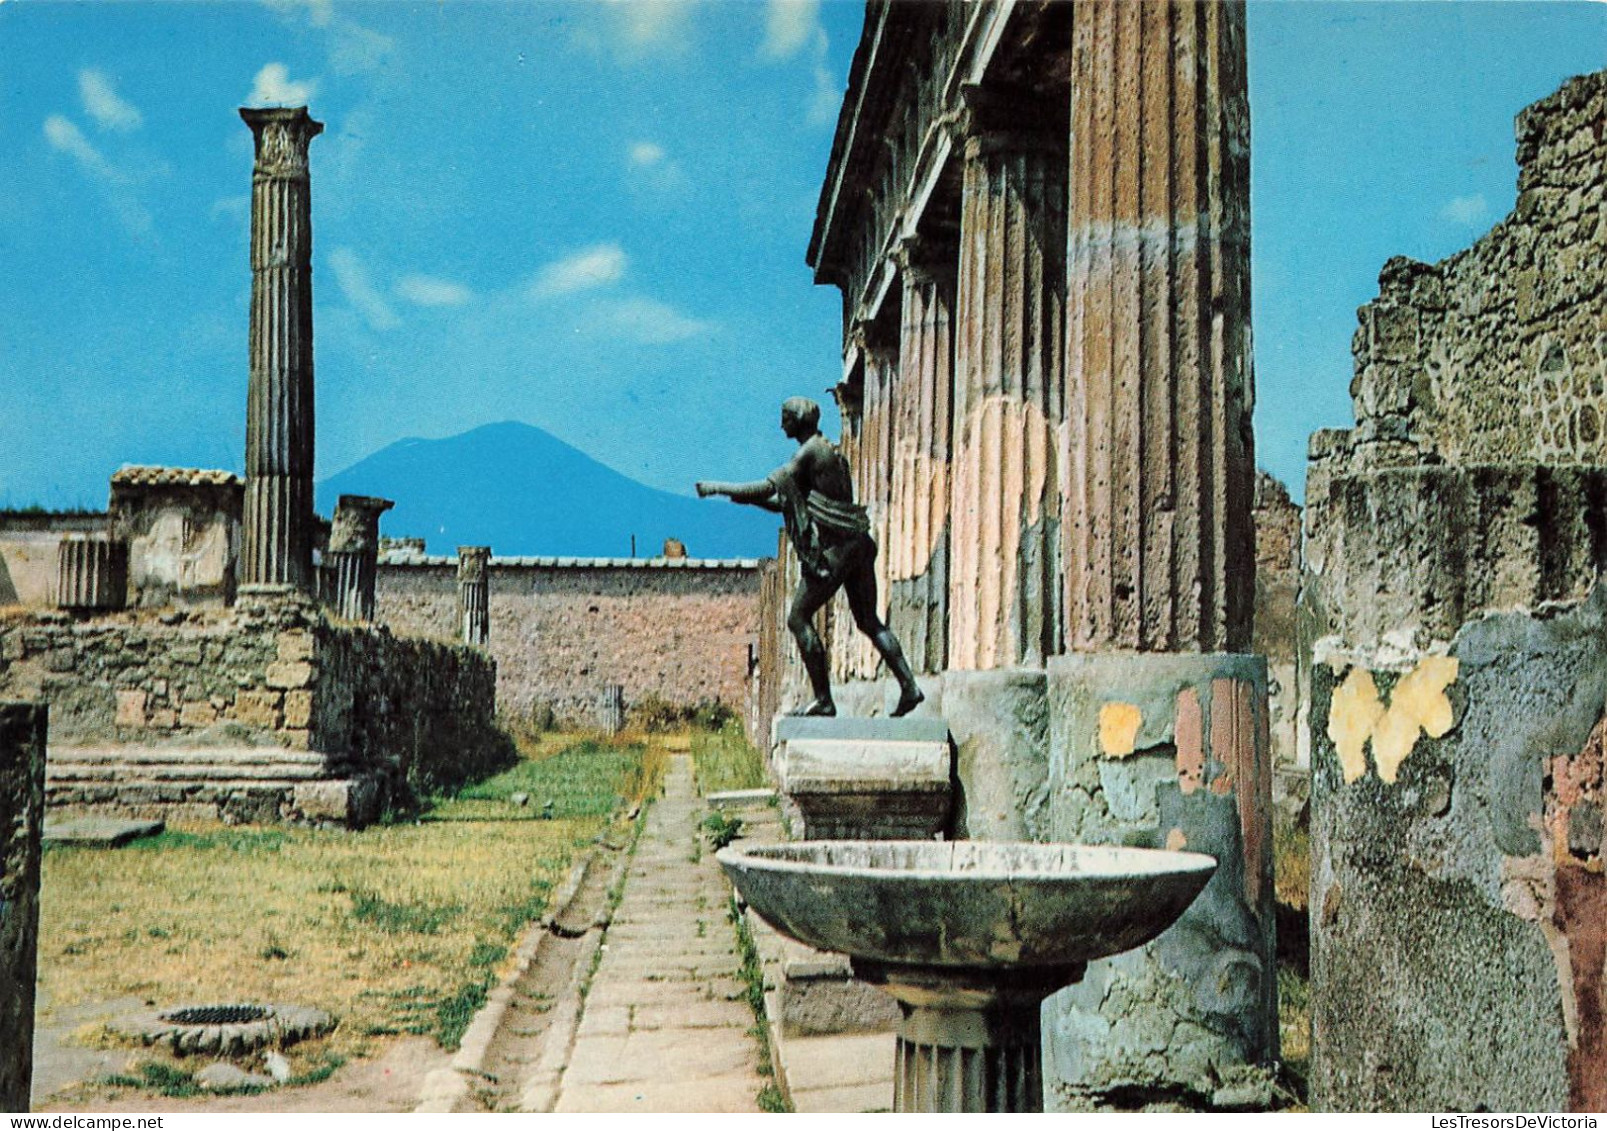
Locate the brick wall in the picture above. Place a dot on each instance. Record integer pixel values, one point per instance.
(562, 630)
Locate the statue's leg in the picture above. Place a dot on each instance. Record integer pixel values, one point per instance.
(860, 586)
(810, 598)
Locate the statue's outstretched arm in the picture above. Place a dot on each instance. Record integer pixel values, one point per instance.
(761, 493)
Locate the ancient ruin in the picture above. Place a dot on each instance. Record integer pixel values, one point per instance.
(1039, 220)
(1452, 615)
(22, 799)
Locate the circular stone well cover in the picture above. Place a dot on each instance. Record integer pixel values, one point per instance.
(226, 1029)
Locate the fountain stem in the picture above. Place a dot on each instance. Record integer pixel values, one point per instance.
(970, 1040)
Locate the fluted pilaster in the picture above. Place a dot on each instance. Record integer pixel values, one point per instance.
(917, 548)
(352, 563)
(91, 573)
(1004, 574)
(277, 529)
(867, 451)
(1159, 546)
(474, 594)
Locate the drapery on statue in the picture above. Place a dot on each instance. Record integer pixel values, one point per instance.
(814, 495)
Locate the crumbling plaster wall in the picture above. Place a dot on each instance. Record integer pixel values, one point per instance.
(560, 634)
(1457, 636)
(28, 547)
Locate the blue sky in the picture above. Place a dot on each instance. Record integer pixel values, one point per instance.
(592, 216)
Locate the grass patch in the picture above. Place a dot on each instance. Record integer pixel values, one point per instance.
(724, 760)
(570, 779)
(1294, 1028)
(398, 928)
(770, 1097)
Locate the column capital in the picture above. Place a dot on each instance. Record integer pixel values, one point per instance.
(473, 562)
(282, 135)
(1003, 119)
(925, 259)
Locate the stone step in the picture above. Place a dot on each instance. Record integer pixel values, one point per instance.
(179, 755)
(68, 765)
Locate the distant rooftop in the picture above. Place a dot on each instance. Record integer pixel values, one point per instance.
(172, 477)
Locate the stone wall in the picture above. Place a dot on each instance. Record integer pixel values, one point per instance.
(1277, 586)
(564, 629)
(1457, 636)
(22, 810)
(409, 714)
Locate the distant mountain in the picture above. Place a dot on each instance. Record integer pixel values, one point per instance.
(520, 490)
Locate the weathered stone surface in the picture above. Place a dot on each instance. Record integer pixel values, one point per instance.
(91, 573)
(1277, 589)
(101, 832)
(566, 627)
(474, 594)
(866, 778)
(182, 526)
(277, 528)
(350, 564)
(1159, 551)
(1193, 772)
(1453, 620)
(1000, 724)
(22, 816)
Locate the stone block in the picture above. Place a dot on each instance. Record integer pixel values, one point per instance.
(290, 674)
(294, 646)
(296, 739)
(298, 709)
(131, 708)
(866, 778)
(259, 708)
(353, 802)
(198, 715)
(163, 718)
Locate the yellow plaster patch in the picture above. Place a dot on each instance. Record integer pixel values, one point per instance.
(1418, 703)
(1176, 841)
(1118, 729)
(1354, 712)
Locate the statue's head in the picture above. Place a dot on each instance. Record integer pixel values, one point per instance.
(800, 416)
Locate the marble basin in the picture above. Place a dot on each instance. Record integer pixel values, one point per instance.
(972, 904)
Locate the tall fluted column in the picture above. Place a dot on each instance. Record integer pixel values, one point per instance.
(1159, 547)
(474, 594)
(277, 530)
(1004, 575)
(918, 520)
(353, 559)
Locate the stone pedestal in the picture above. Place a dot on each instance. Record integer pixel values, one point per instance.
(91, 574)
(1161, 751)
(352, 562)
(22, 816)
(865, 779)
(969, 1040)
(474, 594)
(277, 528)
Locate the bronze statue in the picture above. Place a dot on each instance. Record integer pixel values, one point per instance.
(830, 533)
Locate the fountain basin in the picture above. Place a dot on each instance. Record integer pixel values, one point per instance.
(973, 904)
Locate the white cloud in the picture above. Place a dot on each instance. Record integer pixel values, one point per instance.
(352, 47)
(274, 87)
(632, 29)
(827, 97)
(1469, 211)
(102, 102)
(646, 153)
(65, 137)
(352, 279)
(426, 290)
(116, 185)
(584, 270)
(789, 25)
(646, 321)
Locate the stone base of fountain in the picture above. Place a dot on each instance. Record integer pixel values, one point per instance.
(970, 1040)
(865, 779)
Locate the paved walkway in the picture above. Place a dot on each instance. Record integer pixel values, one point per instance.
(666, 1027)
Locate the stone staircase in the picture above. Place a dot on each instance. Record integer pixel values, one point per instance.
(235, 784)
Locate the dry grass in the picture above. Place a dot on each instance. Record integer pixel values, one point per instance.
(725, 760)
(397, 929)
